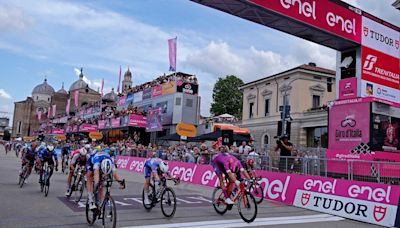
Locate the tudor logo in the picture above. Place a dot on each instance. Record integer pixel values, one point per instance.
(366, 31)
(305, 198)
(369, 62)
(379, 213)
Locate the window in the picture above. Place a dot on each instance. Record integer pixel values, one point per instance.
(329, 85)
(315, 101)
(178, 101)
(317, 137)
(251, 110)
(266, 103)
(19, 127)
(189, 103)
(266, 141)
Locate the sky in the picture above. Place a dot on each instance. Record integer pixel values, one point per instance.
(50, 38)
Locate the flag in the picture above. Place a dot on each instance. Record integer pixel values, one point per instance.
(172, 54)
(39, 115)
(54, 110)
(68, 106)
(76, 96)
(102, 87)
(119, 80)
(49, 112)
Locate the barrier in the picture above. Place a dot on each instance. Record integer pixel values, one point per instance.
(362, 201)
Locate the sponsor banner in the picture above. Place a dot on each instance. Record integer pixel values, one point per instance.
(360, 210)
(348, 88)
(75, 128)
(101, 124)
(157, 91)
(96, 135)
(380, 68)
(115, 123)
(188, 88)
(147, 94)
(188, 130)
(68, 129)
(57, 131)
(121, 101)
(322, 14)
(380, 37)
(168, 88)
(137, 121)
(89, 111)
(138, 97)
(129, 99)
(370, 89)
(154, 122)
(349, 125)
(88, 128)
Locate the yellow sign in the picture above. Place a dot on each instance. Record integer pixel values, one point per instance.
(188, 130)
(96, 135)
(168, 88)
(29, 138)
(60, 137)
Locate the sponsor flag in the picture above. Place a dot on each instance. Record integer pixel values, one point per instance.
(54, 110)
(172, 54)
(119, 80)
(76, 96)
(102, 87)
(39, 115)
(68, 106)
(49, 112)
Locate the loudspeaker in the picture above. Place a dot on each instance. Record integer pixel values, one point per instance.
(227, 137)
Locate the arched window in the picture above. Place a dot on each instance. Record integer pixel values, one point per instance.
(265, 141)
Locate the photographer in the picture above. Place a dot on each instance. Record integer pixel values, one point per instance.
(286, 149)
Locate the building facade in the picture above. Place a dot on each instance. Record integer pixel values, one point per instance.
(306, 90)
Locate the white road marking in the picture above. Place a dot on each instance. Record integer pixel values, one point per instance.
(257, 222)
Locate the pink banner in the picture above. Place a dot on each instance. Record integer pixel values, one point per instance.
(76, 98)
(54, 110)
(101, 124)
(75, 128)
(57, 131)
(348, 88)
(68, 129)
(48, 112)
(172, 54)
(39, 115)
(121, 101)
(115, 122)
(137, 121)
(68, 106)
(89, 111)
(379, 202)
(87, 128)
(157, 91)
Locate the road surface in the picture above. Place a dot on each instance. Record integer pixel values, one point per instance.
(27, 207)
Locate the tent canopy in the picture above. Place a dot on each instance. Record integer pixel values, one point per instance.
(175, 137)
(213, 136)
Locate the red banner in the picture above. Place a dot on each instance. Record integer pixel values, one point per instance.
(322, 14)
(137, 121)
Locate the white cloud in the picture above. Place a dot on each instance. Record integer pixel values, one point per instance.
(381, 8)
(85, 79)
(13, 18)
(4, 94)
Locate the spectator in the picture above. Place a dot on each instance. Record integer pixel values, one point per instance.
(244, 149)
(285, 147)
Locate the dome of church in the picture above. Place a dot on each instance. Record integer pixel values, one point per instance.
(62, 90)
(79, 84)
(111, 96)
(43, 88)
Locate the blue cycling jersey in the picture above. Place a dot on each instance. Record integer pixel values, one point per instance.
(46, 154)
(98, 158)
(151, 165)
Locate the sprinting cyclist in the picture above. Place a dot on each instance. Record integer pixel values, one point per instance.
(229, 166)
(153, 168)
(78, 159)
(47, 154)
(28, 158)
(65, 151)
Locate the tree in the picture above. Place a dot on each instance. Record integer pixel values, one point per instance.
(227, 98)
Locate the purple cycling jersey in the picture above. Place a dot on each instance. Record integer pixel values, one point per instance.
(225, 163)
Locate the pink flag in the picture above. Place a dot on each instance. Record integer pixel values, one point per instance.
(172, 54)
(49, 112)
(54, 110)
(39, 115)
(76, 96)
(68, 106)
(102, 87)
(119, 80)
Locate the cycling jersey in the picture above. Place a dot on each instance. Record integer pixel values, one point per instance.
(47, 156)
(30, 156)
(77, 158)
(151, 166)
(65, 150)
(98, 158)
(225, 163)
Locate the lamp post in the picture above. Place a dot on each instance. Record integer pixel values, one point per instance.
(285, 105)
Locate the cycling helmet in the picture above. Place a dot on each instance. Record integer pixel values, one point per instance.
(98, 148)
(43, 144)
(87, 146)
(106, 166)
(164, 167)
(50, 147)
(250, 163)
(83, 151)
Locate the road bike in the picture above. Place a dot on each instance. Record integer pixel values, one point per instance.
(255, 188)
(106, 210)
(23, 174)
(165, 195)
(245, 202)
(45, 179)
(78, 184)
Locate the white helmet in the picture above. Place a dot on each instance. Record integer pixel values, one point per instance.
(164, 167)
(87, 146)
(43, 144)
(83, 151)
(50, 147)
(106, 166)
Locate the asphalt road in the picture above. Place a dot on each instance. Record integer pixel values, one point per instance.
(27, 207)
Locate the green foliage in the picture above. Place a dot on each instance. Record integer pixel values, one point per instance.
(227, 98)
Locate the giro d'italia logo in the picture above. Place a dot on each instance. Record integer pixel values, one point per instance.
(305, 198)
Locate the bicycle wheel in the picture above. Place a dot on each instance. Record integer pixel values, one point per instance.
(109, 213)
(247, 207)
(258, 192)
(79, 188)
(90, 214)
(151, 198)
(218, 201)
(22, 177)
(168, 202)
(46, 185)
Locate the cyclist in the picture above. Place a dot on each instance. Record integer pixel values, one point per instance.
(78, 157)
(28, 158)
(47, 154)
(153, 167)
(228, 165)
(249, 167)
(65, 150)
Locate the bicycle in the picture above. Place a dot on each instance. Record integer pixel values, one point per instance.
(256, 189)
(165, 195)
(241, 198)
(23, 175)
(78, 184)
(107, 211)
(45, 179)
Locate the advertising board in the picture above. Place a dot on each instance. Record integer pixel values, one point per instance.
(115, 122)
(188, 88)
(157, 91)
(138, 97)
(154, 122)
(147, 94)
(168, 88)
(87, 128)
(371, 89)
(348, 88)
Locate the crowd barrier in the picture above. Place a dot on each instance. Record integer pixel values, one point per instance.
(362, 201)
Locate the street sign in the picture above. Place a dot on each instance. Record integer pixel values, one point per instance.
(287, 108)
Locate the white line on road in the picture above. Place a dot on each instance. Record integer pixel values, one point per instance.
(257, 222)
